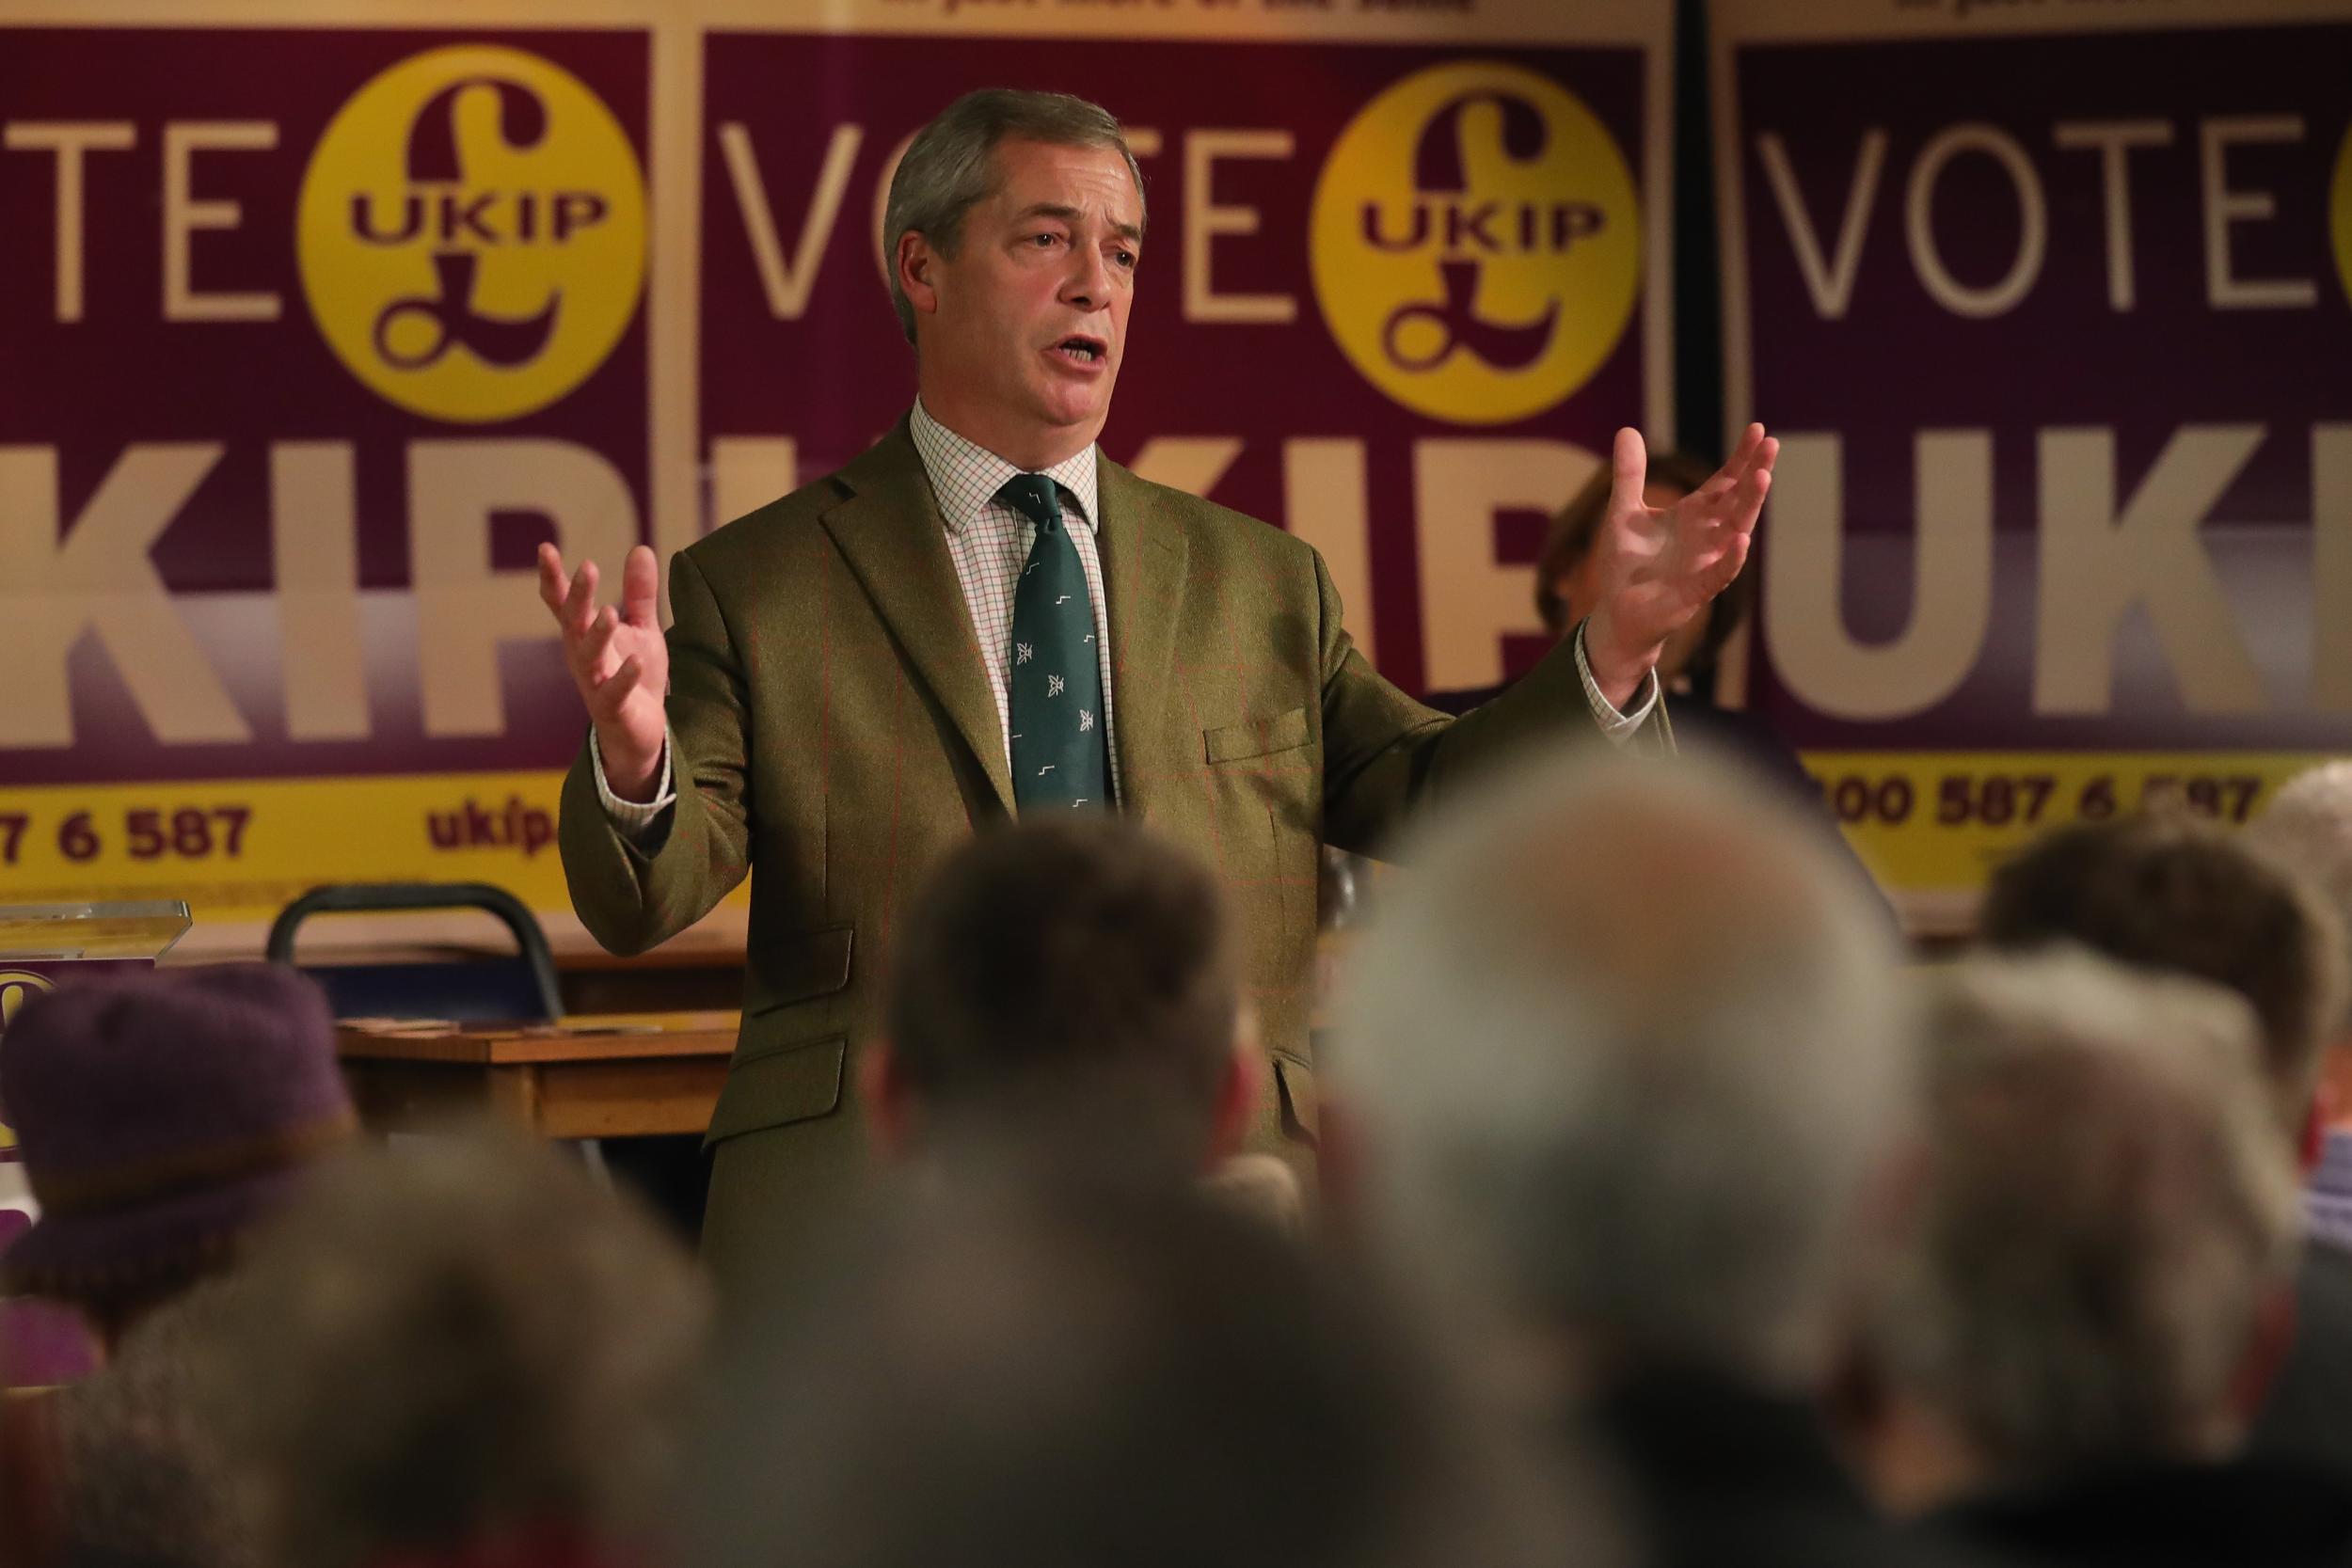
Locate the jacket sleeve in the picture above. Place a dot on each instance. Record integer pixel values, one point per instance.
(635, 892)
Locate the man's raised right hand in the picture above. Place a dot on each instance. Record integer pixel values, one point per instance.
(618, 660)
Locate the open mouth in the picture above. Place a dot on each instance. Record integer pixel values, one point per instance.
(1083, 350)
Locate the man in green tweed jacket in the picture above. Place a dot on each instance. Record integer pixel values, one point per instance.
(983, 617)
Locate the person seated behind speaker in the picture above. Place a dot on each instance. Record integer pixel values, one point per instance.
(2181, 895)
(2080, 1333)
(1567, 587)
(1071, 986)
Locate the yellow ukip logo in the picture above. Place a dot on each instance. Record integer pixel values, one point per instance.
(1475, 244)
(472, 233)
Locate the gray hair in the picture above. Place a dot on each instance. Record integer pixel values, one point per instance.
(950, 166)
(1629, 1051)
(2106, 1204)
(458, 1337)
(2308, 829)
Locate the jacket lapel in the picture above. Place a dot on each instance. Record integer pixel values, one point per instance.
(1144, 554)
(890, 531)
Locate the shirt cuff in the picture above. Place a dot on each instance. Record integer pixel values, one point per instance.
(635, 817)
(1618, 727)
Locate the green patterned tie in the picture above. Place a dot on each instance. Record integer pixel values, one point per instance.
(1059, 757)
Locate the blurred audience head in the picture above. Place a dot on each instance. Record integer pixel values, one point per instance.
(160, 1117)
(1009, 1373)
(2307, 829)
(1066, 980)
(458, 1348)
(2103, 1268)
(1567, 585)
(1626, 1056)
(2181, 895)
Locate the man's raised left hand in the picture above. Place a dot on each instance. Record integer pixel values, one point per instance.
(1660, 566)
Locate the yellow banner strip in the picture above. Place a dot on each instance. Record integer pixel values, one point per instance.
(1940, 820)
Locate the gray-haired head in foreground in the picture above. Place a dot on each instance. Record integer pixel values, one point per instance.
(2307, 829)
(950, 166)
(2106, 1206)
(1628, 1052)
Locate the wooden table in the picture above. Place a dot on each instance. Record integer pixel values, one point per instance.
(620, 1076)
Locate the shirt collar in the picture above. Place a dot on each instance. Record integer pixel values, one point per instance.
(965, 476)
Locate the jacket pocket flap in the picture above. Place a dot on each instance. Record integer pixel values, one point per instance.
(804, 965)
(778, 1085)
(1295, 1082)
(1256, 737)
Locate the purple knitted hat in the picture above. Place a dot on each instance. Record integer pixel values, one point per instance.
(159, 1116)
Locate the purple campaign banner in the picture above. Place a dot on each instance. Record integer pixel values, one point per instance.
(2051, 306)
(2055, 328)
(310, 336)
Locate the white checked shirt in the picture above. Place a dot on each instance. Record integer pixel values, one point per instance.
(989, 541)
